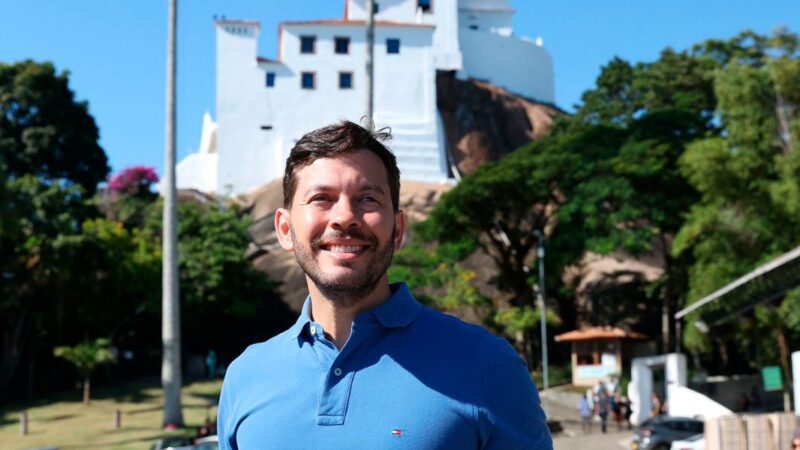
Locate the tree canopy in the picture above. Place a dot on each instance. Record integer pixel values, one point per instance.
(692, 156)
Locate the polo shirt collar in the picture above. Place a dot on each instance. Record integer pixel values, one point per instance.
(302, 322)
(399, 310)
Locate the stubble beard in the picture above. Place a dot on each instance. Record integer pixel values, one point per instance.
(346, 290)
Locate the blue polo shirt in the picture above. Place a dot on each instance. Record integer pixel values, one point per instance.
(409, 377)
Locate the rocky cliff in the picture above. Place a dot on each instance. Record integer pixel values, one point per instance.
(483, 122)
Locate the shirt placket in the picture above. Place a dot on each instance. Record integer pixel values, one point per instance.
(337, 378)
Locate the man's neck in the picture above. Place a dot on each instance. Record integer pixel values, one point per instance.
(337, 320)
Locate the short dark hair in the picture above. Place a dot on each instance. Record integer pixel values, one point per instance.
(343, 137)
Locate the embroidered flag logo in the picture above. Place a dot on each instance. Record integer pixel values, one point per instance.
(397, 432)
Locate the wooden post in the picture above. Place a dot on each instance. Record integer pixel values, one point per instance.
(117, 420)
(23, 422)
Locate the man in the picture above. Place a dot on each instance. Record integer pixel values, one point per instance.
(366, 366)
(601, 405)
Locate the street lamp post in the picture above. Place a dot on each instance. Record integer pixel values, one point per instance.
(542, 308)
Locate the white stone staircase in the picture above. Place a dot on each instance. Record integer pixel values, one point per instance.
(419, 153)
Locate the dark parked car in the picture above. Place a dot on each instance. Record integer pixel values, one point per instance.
(174, 443)
(657, 433)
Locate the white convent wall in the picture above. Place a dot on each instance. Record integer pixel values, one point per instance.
(257, 126)
(395, 10)
(443, 15)
(517, 65)
(405, 95)
(493, 21)
(244, 156)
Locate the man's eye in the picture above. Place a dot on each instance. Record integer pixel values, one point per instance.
(319, 198)
(369, 199)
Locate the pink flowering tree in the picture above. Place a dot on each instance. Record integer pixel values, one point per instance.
(136, 181)
(131, 194)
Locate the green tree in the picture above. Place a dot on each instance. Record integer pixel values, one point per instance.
(216, 279)
(749, 180)
(44, 131)
(50, 163)
(86, 357)
(34, 218)
(606, 179)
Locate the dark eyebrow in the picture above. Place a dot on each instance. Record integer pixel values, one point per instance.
(365, 187)
(316, 188)
(373, 187)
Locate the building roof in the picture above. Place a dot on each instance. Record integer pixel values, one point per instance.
(769, 281)
(593, 333)
(345, 22)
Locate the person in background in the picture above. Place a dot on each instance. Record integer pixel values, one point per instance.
(585, 412)
(602, 407)
(655, 405)
(211, 363)
(625, 406)
(617, 408)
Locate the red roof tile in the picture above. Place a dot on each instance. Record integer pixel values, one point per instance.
(598, 333)
(343, 22)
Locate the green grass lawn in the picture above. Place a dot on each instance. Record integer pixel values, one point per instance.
(64, 422)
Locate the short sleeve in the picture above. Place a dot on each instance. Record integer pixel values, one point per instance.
(227, 441)
(510, 414)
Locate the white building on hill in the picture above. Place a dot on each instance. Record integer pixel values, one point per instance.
(265, 105)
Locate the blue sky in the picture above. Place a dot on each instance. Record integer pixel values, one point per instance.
(115, 49)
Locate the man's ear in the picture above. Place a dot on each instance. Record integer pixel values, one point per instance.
(399, 229)
(283, 228)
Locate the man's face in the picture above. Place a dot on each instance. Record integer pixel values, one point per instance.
(341, 225)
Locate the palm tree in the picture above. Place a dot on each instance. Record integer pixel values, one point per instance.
(170, 300)
(86, 356)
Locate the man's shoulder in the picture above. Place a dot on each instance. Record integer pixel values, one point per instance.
(262, 354)
(454, 333)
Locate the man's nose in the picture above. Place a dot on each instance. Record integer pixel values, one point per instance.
(345, 215)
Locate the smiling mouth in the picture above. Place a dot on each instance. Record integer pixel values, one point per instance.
(343, 248)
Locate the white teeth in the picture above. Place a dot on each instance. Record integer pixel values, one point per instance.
(345, 248)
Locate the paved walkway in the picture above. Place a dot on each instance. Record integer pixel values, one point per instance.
(562, 409)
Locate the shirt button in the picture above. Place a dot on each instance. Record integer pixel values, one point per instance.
(337, 371)
(313, 330)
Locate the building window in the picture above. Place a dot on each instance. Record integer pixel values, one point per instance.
(307, 44)
(341, 45)
(586, 353)
(345, 80)
(270, 79)
(473, 27)
(393, 46)
(424, 5)
(307, 80)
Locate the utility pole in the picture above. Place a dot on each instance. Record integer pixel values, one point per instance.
(542, 311)
(170, 300)
(370, 80)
